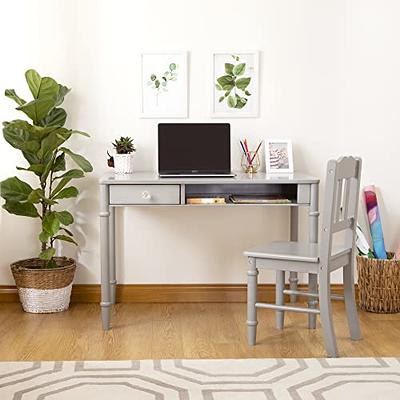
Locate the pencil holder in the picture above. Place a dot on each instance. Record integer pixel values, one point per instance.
(251, 162)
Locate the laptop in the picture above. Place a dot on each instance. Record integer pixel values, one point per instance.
(194, 150)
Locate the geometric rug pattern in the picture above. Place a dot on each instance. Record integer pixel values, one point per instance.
(239, 379)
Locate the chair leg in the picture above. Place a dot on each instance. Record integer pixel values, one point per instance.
(252, 274)
(312, 302)
(326, 312)
(279, 298)
(350, 303)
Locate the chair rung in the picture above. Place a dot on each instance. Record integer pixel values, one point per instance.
(288, 308)
(308, 294)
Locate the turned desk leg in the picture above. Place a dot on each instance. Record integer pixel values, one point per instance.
(313, 238)
(105, 256)
(113, 278)
(294, 232)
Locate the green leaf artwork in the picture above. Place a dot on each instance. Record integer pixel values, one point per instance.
(42, 143)
(234, 84)
(160, 84)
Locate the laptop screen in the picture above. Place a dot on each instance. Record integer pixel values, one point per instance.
(201, 148)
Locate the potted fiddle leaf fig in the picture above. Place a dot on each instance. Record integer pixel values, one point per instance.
(44, 282)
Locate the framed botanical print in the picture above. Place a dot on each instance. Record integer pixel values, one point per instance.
(164, 82)
(235, 85)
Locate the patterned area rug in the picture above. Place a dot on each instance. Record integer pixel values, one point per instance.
(251, 379)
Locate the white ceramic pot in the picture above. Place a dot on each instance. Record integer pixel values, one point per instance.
(123, 163)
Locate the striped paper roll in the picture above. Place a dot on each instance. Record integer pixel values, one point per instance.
(375, 224)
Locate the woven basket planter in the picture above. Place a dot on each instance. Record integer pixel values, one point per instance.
(44, 290)
(379, 284)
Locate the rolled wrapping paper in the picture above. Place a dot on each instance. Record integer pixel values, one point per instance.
(375, 222)
(362, 244)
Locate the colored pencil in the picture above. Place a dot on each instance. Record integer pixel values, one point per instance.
(245, 152)
(255, 153)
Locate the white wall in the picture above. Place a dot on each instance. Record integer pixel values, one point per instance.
(330, 81)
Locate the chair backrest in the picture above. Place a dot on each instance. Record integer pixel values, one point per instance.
(340, 204)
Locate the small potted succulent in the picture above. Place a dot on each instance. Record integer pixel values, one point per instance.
(44, 283)
(122, 160)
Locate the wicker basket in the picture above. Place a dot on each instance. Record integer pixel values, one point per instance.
(44, 290)
(379, 284)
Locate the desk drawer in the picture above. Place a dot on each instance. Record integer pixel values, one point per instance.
(144, 194)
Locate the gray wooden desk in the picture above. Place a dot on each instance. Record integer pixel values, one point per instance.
(146, 189)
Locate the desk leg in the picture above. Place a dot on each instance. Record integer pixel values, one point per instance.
(313, 238)
(294, 233)
(113, 279)
(105, 256)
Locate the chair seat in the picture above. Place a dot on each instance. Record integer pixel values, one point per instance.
(292, 251)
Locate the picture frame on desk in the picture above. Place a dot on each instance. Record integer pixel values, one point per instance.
(235, 84)
(164, 84)
(279, 156)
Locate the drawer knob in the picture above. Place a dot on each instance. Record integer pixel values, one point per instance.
(146, 195)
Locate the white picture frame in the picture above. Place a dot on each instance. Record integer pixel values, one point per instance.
(279, 156)
(164, 89)
(221, 108)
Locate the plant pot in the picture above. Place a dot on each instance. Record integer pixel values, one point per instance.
(379, 284)
(44, 290)
(123, 163)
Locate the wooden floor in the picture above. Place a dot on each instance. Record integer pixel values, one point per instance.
(156, 331)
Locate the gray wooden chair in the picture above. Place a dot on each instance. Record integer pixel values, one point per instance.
(339, 218)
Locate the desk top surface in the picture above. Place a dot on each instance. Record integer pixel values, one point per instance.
(151, 177)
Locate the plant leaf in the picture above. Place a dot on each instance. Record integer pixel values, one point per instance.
(41, 87)
(59, 163)
(229, 68)
(50, 223)
(221, 99)
(62, 92)
(23, 209)
(52, 141)
(74, 131)
(65, 218)
(44, 237)
(10, 93)
(65, 238)
(247, 93)
(232, 101)
(37, 109)
(47, 254)
(57, 116)
(239, 69)
(73, 173)
(60, 185)
(67, 193)
(225, 81)
(242, 83)
(36, 168)
(218, 87)
(15, 190)
(81, 161)
(67, 231)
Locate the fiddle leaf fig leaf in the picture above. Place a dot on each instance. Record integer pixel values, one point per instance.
(73, 173)
(10, 93)
(50, 223)
(15, 190)
(65, 218)
(41, 87)
(81, 161)
(62, 92)
(22, 209)
(59, 163)
(47, 254)
(66, 238)
(57, 116)
(37, 109)
(67, 193)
